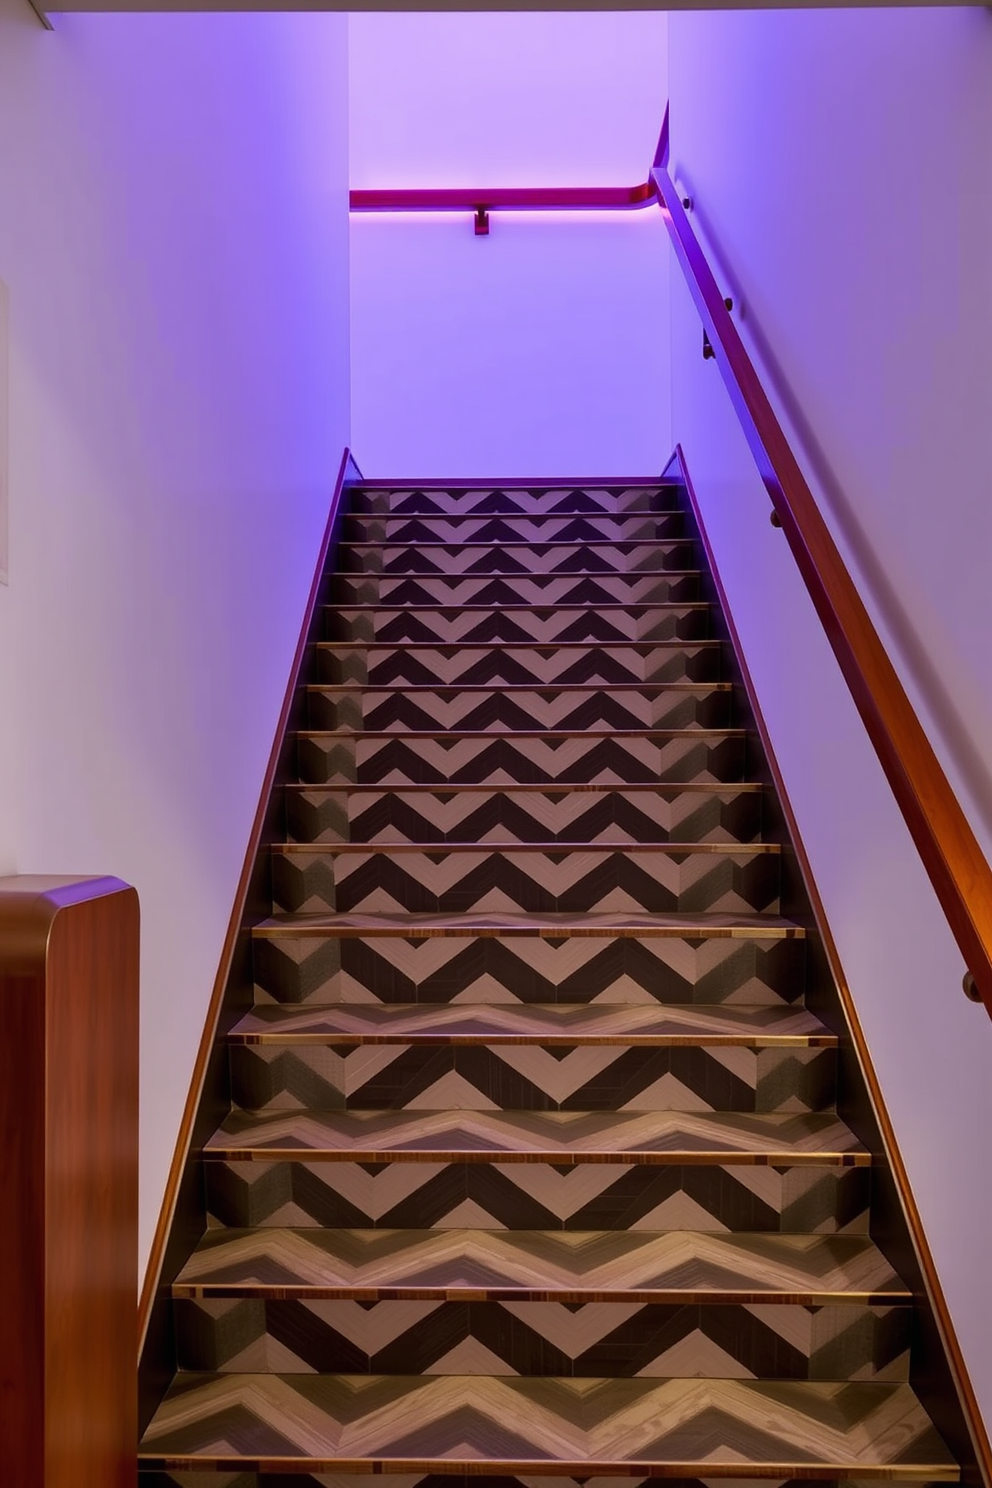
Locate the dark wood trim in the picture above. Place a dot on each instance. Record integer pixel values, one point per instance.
(182, 1218)
(505, 198)
(939, 1371)
(954, 861)
(68, 1180)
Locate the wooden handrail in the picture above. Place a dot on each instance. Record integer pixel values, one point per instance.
(951, 855)
(504, 198)
(68, 1181)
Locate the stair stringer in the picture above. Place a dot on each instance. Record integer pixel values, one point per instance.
(938, 1372)
(182, 1219)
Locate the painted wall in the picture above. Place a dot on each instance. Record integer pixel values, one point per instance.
(541, 349)
(807, 140)
(173, 229)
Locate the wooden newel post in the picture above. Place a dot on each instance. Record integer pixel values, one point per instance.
(68, 1182)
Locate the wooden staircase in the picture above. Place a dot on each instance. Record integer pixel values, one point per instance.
(533, 1169)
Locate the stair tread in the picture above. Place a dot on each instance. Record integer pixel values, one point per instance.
(517, 923)
(529, 546)
(644, 515)
(625, 1266)
(568, 607)
(542, 484)
(545, 788)
(457, 688)
(511, 646)
(552, 1024)
(557, 1137)
(542, 1425)
(553, 845)
(415, 576)
(546, 735)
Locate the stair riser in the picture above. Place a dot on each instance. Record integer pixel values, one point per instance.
(714, 759)
(267, 1077)
(440, 500)
(778, 1341)
(657, 882)
(535, 1195)
(542, 529)
(470, 666)
(626, 558)
(524, 816)
(545, 626)
(494, 710)
(536, 589)
(504, 969)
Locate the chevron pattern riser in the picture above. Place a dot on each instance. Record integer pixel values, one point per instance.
(640, 759)
(566, 1266)
(647, 706)
(520, 1077)
(450, 666)
(539, 1196)
(468, 501)
(481, 969)
(545, 1338)
(538, 589)
(626, 558)
(546, 528)
(580, 816)
(547, 626)
(658, 882)
(431, 1422)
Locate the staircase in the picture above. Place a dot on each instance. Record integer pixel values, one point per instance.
(533, 1170)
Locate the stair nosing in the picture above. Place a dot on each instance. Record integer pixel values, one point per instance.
(440, 733)
(287, 1291)
(621, 644)
(702, 787)
(647, 514)
(471, 925)
(334, 1039)
(490, 575)
(496, 686)
(692, 1157)
(551, 542)
(523, 483)
(717, 849)
(661, 604)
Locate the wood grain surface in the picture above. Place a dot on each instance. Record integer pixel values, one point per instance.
(68, 1183)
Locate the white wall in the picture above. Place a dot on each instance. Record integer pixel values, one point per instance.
(811, 142)
(541, 349)
(173, 230)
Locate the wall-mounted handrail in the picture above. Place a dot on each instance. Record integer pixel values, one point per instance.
(505, 198)
(949, 850)
(957, 868)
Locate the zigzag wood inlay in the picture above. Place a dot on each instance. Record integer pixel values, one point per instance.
(481, 624)
(533, 1170)
(695, 756)
(578, 814)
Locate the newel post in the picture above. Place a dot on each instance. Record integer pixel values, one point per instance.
(68, 1182)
